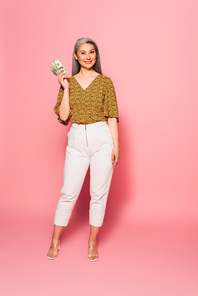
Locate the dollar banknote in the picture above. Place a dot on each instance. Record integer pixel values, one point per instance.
(57, 66)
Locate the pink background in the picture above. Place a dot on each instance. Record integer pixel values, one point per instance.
(149, 49)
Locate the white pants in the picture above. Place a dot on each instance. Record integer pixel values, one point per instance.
(92, 145)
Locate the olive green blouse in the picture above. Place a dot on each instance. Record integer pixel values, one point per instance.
(95, 103)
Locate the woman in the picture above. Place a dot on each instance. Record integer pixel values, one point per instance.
(87, 99)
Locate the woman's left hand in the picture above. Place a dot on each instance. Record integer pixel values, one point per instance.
(115, 156)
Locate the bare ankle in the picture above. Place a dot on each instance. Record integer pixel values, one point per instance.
(55, 240)
(92, 241)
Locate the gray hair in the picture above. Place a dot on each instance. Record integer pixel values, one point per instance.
(75, 63)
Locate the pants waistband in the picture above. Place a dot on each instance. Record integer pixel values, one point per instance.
(91, 125)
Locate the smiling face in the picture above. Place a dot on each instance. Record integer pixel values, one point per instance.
(86, 55)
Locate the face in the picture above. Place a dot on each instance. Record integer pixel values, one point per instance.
(86, 55)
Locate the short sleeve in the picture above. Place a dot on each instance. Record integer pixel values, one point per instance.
(59, 99)
(110, 102)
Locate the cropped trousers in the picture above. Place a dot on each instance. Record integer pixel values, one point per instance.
(88, 145)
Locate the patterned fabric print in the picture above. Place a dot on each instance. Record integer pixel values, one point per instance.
(96, 103)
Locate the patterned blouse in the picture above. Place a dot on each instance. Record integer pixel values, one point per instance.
(95, 103)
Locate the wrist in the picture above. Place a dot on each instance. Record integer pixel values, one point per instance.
(66, 90)
(117, 146)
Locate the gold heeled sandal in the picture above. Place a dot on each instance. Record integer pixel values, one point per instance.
(92, 251)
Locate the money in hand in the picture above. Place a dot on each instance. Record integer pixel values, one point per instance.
(57, 67)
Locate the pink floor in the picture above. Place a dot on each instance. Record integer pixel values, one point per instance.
(141, 259)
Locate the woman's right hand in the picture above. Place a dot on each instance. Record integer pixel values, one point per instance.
(62, 80)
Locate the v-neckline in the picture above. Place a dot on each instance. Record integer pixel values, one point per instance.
(89, 83)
